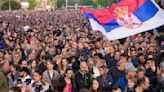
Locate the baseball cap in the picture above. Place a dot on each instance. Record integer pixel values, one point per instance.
(130, 68)
(162, 64)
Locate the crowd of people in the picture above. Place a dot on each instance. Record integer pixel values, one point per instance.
(57, 51)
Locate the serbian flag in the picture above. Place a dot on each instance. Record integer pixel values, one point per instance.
(127, 18)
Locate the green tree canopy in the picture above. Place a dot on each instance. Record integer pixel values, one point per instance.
(32, 4)
(104, 3)
(14, 5)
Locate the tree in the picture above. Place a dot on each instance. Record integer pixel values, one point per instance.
(157, 1)
(14, 5)
(32, 4)
(60, 3)
(86, 2)
(104, 3)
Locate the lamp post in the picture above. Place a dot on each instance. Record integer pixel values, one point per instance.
(9, 5)
(66, 3)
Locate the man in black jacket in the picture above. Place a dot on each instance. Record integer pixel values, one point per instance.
(105, 78)
(83, 79)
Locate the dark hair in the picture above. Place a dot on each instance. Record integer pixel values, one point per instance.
(67, 60)
(20, 62)
(140, 49)
(68, 70)
(38, 72)
(50, 61)
(123, 55)
(140, 69)
(99, 55)
(132, 49)
(117, 87)
(150, 59)
(84, 90)
(103, 66)
(100, 88)
(24, 69)
(15, 89)
(33, 61)
(61, 84)
(15, 66)
(141, 81)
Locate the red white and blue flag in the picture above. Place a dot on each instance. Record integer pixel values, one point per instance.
(127, 18)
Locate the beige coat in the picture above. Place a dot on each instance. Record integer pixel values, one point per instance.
(46, 77)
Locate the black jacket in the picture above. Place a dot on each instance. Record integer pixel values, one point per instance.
(83, 81)
(106, 82)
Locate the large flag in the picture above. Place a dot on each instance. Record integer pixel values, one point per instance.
(118, 1)
(127, 18)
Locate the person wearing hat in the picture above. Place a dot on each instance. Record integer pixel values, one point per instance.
(160, 78)
(130, 71)
(4, 67)
(117, 71)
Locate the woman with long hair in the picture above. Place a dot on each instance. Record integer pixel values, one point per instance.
(64, 66)
(33, 67)
(96, 86)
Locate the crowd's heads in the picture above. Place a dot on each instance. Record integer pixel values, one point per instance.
(2, 63)
(24, 71)
(140, 72)
(96, 85)
(14, 89)
(68, 73)
(90, 63)
(117, 89)
(4, 66)
(150, 62)
(130, 71)
(143, 82)
(50, 64)
(121, 64)
(162, 66)
(83, 66)
(103, 70)
(37, 75)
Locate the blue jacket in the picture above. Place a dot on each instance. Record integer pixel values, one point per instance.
(122, 83)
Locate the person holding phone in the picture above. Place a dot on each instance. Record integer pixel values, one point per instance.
(24, 77)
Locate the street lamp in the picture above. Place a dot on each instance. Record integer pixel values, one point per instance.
(66, 3)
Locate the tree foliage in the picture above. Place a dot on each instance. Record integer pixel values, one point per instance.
(32, 4)
(104, 3)
(13, 4)
(60, 3)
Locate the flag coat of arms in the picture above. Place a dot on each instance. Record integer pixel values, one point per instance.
(127, 18)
